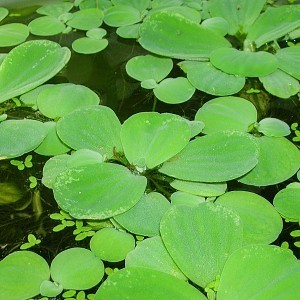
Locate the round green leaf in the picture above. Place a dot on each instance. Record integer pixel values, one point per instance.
(260, 272)
(88, 45)
(146, 284)
(174, 90)
(100, 122)
(151, 130)
(273, 166)
(111, 244)
(205, 77)
(86, 19)
(145, 216)
(13, 34)
(280, 84)
(273, 127)
(55, 10)
(227, 113)
(149, 67)
(218, 24)
(20, 136)
(59, 163)
(201, 238)
(30, 98)
(129, 31)
(21, 274)
(50, 289)
(61, 99)
(3, 13)
(121, 15)
(287, 203)
(98, 191)
(152, 254)
(288, 59)
(261, 222)
(77, 268)
(170, 34)
(200, 188)
(96, 33)
(51, 145)
(40, 61)
(186, 199)
(244, 63)
(217, 157)
(46, 26)
(185, 11)
(10, 193)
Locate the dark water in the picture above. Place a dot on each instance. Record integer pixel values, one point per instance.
(105, 74)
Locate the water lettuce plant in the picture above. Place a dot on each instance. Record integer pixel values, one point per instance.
(161, 205)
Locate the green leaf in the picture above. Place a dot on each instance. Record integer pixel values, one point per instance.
(217, 24)
(77, 268)
(183, 198)
(274, 23)
(111, 244)
(10, 193)
(152, 254)
(273, 166)
(13, 34)
(273, 127)
(20, 136)
(100, 122)
(57, 164)
(145, 216)
(240, 14)
(86, 19)
(261, 222)
(140, 5)
(201, 238)
(288, 59)
(98, 191)
(60, 99)
(51, 145)
(86, 45)
(170, 34)
(146, 284)
(217, 157)
(96, 33)
(185, 11)
(244, 63)
(46, 26)
(149, 67)
(205, 77)
(121, 15)
(200, 188)
(55, 10)
(3, 13)
(50, 289)
(260, 272)
(40, 61)
(21, 274)
(287, 203)
(30, 98)
(280, 84)
(129, 31)
(151, 130)
(227, 113)
(174, 90)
